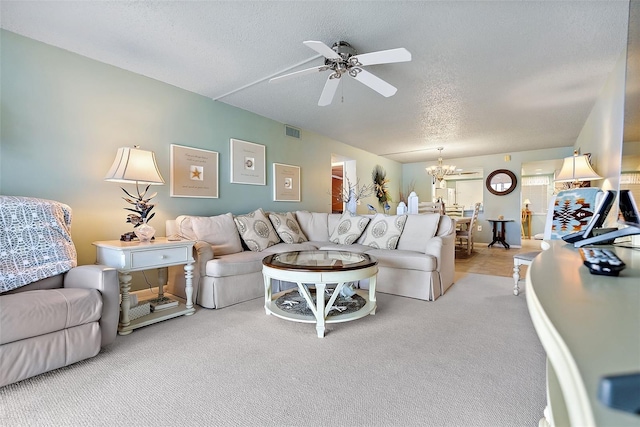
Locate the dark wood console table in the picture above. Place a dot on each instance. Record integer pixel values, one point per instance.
(499, 235)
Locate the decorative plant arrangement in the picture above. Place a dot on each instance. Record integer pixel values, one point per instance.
(142, 206)
(351, 194)
(355, 192)
(379, 176)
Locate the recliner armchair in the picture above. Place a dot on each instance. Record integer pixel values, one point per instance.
(52, 313)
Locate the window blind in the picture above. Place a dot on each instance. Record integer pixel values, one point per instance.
(631, 181)
(538, 190)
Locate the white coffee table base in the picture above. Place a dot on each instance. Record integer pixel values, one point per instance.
(320, 280)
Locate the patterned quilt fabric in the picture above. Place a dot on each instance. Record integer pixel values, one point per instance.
(35, 240)
(573, 210)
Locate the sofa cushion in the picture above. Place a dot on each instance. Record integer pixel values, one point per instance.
(348, 229)
(314, 225)
(384, 231)
(289, 247)
(248, 261)
(235, 264)
(417, 231)
(405, 260)
(33, 313)
(256, 230)
(287, 227)
(354, 247)
(219, 231)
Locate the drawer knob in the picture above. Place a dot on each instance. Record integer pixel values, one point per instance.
(163, 257)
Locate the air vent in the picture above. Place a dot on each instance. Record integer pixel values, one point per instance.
(292, 132)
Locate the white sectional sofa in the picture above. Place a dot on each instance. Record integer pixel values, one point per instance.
(227, 272)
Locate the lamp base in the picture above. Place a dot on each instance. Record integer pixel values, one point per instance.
(130, 237)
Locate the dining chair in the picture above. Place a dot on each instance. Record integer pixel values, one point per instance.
(430, 207)
(454, 211)
(467, 234)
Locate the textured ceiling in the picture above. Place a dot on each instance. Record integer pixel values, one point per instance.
(486, 77)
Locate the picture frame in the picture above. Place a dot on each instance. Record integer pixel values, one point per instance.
(286, 183)
(194, 172)
(248, 164)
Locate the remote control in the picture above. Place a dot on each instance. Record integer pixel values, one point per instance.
(602, 261)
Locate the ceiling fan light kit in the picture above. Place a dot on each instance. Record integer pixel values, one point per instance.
(342, 59)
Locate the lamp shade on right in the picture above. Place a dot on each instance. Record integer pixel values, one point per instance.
(576, 168)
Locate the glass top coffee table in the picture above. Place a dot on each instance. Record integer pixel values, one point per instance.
(317, 273)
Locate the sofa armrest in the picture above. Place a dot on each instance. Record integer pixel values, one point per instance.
(203, 253)
(443, 249)
(105, 280)
(434, 248)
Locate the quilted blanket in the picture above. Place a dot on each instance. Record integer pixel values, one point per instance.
(573, 210)
(35, 240)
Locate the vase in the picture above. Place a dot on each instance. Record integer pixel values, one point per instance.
(401, 209)
(413, 203)
(144, 232)
(352, 203)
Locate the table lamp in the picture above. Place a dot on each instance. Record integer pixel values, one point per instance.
(576, 169)
(133, 165)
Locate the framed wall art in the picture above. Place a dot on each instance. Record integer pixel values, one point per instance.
(194, 172)
(247, 163)
(286, 183)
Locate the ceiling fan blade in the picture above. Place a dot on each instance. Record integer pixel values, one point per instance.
(384, 56)
(329, 91)
(299, 73)
(375, 83)
(322, 49)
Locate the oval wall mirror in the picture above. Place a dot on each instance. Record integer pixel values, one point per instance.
(501, 182)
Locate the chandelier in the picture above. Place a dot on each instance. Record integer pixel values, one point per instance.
(440, 171)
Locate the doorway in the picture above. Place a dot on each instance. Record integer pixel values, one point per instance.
(337, 183)
(343, 172)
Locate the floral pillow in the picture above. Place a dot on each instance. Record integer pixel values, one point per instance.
(287, 227)
(256, 231)
(349, 229)
(384, 231)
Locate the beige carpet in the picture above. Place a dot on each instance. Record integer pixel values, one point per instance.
(471, 358)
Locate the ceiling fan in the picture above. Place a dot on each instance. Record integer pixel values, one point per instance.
(341, 59)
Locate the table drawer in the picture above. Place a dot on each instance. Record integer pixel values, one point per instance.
(160, 257)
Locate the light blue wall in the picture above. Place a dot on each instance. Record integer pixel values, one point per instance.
(509, 205)
(63, 116)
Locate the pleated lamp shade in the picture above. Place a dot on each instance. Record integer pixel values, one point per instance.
(134, 165)
(575, 169)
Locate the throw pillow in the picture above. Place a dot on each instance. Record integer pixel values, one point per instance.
(287, 227)
(384, 231)
(349, 228)
(314, 225)
(219, 231)
(256, 231)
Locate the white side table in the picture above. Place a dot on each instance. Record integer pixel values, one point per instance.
(135, 256)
